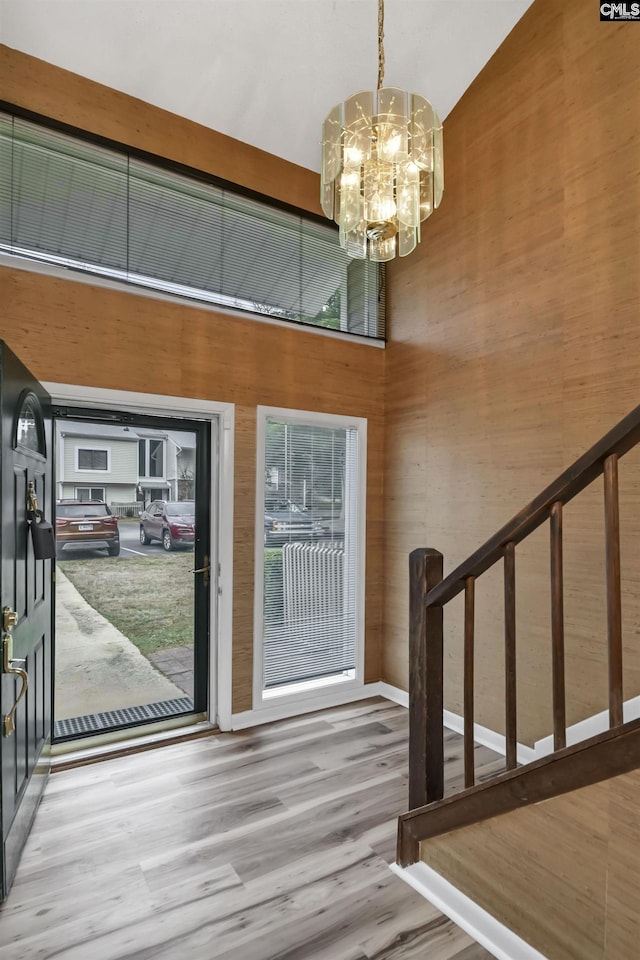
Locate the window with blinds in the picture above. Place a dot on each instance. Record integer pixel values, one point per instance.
(311, 534)
(89, 459)
(72, 202)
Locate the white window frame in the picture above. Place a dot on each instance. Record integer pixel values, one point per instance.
(319, 690)
(222, 489)
(90, 487)
(93, 447)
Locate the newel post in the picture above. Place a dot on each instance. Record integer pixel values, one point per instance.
(426, 734)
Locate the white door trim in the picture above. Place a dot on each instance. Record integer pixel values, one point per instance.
(220, 651)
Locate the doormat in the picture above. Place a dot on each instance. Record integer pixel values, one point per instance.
(126, 717)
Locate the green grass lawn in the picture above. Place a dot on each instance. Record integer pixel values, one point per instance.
(149, 599)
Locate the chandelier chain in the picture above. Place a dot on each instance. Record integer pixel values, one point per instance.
(380, 44)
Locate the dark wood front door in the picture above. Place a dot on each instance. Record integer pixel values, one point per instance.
(25, 588)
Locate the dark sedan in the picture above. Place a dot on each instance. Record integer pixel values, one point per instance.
(287, 522)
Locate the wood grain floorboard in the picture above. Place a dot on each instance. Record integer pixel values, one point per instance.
(267, 844)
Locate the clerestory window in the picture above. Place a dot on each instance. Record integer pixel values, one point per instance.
(72, 202)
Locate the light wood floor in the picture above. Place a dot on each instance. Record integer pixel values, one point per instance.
(264, 844)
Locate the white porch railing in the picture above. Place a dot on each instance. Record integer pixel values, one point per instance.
(313, 576)
(125, 509)
(313, 633)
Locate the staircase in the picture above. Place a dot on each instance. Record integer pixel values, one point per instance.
(616, 751)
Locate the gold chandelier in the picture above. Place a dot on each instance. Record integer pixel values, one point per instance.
(382, 167)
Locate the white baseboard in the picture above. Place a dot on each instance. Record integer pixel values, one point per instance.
(468, 915)
(489, 738)
(589, 727)
(282, 711)
(394, 694)
(453, 721)
(333, 698)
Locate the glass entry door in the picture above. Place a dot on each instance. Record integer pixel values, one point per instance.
(133, 570)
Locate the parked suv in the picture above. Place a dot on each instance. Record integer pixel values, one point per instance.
(86, 522)
(172, 522)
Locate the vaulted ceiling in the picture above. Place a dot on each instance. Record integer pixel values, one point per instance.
(263, 71)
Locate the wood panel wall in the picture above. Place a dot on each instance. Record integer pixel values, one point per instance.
(69, 98)
(73, 332)
(564, 875)
(514, 345)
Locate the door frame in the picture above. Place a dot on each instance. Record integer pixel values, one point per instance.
(221, 510)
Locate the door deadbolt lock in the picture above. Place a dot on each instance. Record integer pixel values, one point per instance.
(9, 619)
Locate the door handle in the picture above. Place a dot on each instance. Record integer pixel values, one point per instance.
(13, 666)
(206, 570)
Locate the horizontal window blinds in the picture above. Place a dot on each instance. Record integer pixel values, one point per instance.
(67, 198)
(73, 202)
(310, 551)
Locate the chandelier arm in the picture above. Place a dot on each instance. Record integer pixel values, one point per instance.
(380, 44)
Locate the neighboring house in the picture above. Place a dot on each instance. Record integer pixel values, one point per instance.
(97, 463)
(124, 466)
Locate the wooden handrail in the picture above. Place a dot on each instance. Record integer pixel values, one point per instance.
(575, 478)
(606, 755)
(429, 594)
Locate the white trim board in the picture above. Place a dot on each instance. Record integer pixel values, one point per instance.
(328, 697)
(499, 940)
(282, 711)
(583, 730)
(453, 721)
(489, 738)
(76, 275)
(590, 727)
(394, 693)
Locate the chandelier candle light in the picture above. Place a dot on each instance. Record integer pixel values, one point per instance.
(382, 167)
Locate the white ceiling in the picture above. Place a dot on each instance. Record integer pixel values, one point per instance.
(264, 71)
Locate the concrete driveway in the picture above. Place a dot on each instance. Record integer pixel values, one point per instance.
(97, 667)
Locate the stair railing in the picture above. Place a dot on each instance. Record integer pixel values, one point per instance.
(429, 593)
